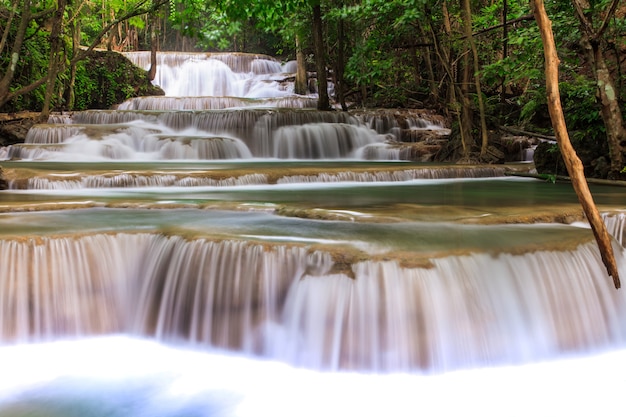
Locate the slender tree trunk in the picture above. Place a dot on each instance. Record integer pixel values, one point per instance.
(432, 84)
(7, 28)
(572, 162)
(55, 64)
(6, 80)
(467, 24)
(323, 102)
(467, 115)
(341, 65)
(505, 46)
(154, 43)
(71, 96)
(301, 86)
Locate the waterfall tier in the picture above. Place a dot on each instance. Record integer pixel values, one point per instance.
(208, 135)
(285, 302)
(215, 74)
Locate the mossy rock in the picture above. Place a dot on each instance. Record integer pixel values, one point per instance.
(107, 78)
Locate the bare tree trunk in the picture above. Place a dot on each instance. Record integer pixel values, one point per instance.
(301, 86)
(323, 102)
(572, 162)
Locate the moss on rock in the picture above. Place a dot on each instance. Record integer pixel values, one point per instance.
(107, 78)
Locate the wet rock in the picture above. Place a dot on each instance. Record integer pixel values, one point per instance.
(547, 159)
(518, 148)
(14, 127)
(3, 182)
(421, 135)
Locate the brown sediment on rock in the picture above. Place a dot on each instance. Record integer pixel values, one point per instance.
(21, 206)
(20, 176)
(564, 214)
(567, 215)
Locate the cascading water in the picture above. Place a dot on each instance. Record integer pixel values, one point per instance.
(197, 228)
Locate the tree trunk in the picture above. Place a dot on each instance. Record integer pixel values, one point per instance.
(5, 82)
(466, 115)
(154, 40)
(323, 102)
(572, 162)
(301, 87)
(7, 28)
(607, 96)
(505, 47)
(432, 83)
(71, 95)
(55, 63)
(611, 114)
(467, 24)
(339, 70)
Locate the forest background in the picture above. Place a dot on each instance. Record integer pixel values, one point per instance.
(479, 63)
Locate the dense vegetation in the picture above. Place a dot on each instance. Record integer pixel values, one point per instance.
(478, 62)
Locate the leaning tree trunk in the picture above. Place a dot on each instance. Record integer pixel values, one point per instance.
(323, 102)
(572, 162)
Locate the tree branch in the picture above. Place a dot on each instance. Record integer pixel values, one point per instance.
(605, 22)
(507, 23)
(138, 11)
(27, 89)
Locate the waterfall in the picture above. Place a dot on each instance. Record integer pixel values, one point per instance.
(319, 141)
(392, 176)
(214, 103)
(68, 181)
(289, 303)
(616, 225)
(67, 286)
(201, 135)
(214, 74)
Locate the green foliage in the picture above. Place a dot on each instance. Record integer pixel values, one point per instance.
(32, 66)
(551, 178)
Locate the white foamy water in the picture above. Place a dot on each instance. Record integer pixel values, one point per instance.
(120, 376)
